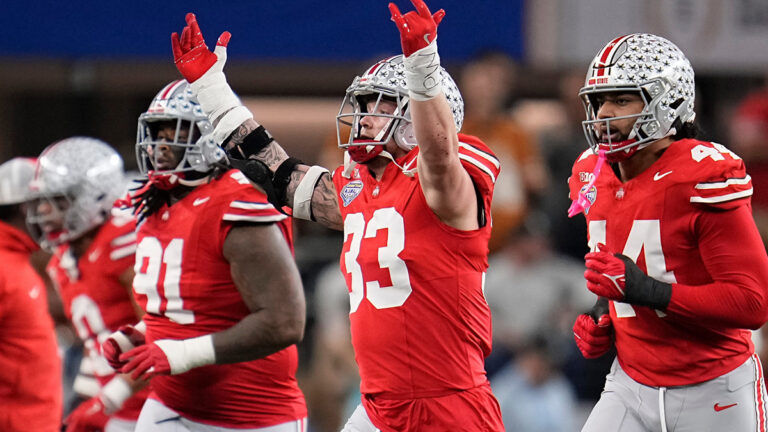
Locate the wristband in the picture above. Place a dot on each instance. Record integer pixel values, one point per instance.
(643, 290)
(141, 327)
(252, 144)
(282, 177)
(187, 354)
(123, 341)
(302, 199)
(422, 73)
(114, 394)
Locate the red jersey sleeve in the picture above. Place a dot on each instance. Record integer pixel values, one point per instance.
(245, 204)
(482, 165)
(723, 181)
(480, 162)
(735, 257)
(116, 245)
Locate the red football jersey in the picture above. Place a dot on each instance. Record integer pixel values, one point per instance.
(94, 300)
(30, 367)
(655, 220)
(184, 284)
(420, 324)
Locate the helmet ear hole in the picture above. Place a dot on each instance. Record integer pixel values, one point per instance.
(404, 136)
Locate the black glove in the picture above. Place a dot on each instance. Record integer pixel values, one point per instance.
(616, 277)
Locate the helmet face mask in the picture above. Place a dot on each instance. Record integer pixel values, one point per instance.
(622, 149)
(385, 81)
(77, 181)
(355, 108)
(183, 138)
(51, 227)
(652, 67)
(176, 108)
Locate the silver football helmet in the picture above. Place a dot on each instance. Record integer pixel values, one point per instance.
(386, 79)
(651, 66)
(15, 176)
(77, 180)
(176, 106)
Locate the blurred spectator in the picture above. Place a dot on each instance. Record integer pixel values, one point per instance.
(30, 368)
(748, 132)
(548, 292)
(533, 394)
(561, 147)
(486, 84)
(332, 382)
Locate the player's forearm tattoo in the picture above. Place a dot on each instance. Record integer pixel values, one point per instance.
(272, 155)
(293, 184)
(325, 206)
(242, 131)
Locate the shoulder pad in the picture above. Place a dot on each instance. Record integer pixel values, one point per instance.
(718, 176)
(581, 172)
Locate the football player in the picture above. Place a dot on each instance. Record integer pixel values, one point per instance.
(216, 277)
(76, 183)
(674, 251)
(30, 381)
(414, 203)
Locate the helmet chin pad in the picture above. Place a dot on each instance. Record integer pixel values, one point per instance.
(619, 151)
(363, 153)
(164, 181)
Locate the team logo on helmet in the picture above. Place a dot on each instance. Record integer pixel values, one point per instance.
(77, 180)
(652, 67)
(177, 107)
(386, 81)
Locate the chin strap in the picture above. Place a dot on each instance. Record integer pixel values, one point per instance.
(194, 183)
(350, 165)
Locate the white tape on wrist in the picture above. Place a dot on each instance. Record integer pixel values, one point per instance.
(141, 327)
(302, 199)
(114, 394)
(231, 121)
(187, 354)
(122, 339)
(422, 73)
(216, 99)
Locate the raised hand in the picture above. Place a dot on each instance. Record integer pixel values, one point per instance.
(123, 340)
(417, 28)
(191, 55)
(204, 70)
(593, 338)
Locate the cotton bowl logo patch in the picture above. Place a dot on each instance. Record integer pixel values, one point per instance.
(590, 195)
(351, 191)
